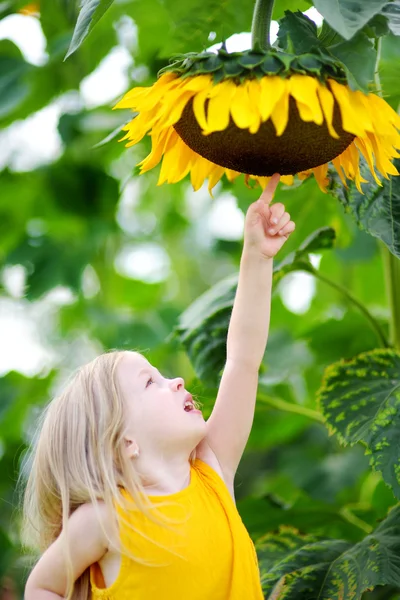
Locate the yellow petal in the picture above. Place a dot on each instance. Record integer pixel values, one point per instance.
(355, 157)
(272, 89)
(349, 115)
(280, 114)
(214, 177)
(201, 168)
(364, 145)
(218, 114)
(254, 91)
(173, 106)
(304, 174)
(320, 175)
(327, 102)
(263, 181)
(359, 102)
(199, 108)
(303, 88)
(231, 175)
(381, 160)
(132, 98)
(160, 144)
(241, 108)
(287, 179)
(338, 166)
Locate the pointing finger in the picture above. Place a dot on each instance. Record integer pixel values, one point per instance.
(269, 191)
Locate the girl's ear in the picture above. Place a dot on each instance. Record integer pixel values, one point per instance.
(131, 448)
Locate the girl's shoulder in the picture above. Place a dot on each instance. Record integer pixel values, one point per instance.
(205, 453)
(97, 517)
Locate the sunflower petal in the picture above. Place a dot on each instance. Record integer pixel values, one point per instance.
(320, 174)
(254, 91)
(381, 160)
(280, 114)
(327, 103)
(303, 88)
(349, 115)
(214, 177)
(241, 108)
(272, 89)
(218, 114)
(364, 146)
(199, 108)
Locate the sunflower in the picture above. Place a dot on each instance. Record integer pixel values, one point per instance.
(260, 112)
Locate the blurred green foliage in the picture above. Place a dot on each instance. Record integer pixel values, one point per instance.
(67, 222)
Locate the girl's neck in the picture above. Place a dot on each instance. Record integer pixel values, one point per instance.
(163, 476)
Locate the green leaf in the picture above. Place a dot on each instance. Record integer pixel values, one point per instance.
(389, 69)
(90, 13)
(283, 5)
(298, 30)
(193, 20)
(203, 327)
(392, 12)
(377, 211)
(14, 83)
(322, 239)
(359, 56)
(360, 400)
(347, 17)
(330, 569)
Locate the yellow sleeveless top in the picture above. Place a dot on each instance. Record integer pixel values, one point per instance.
(213, 555)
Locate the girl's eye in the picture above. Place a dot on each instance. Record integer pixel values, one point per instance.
(150, 380)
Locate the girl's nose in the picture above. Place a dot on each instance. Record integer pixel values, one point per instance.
(177, 383)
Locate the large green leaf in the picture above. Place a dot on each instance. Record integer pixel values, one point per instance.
(388, 69)
(359, 57)
(203, 327)
(90, 13)
(284, 5)
(377, 211)
(392, 12)
(348, 16)
(360, 399)
(330, 569)
(297, 33)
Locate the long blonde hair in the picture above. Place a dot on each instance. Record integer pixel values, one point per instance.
(78, 457)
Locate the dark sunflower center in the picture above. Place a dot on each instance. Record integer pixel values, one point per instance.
(303, 145)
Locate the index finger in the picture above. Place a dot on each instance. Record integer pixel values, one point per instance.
(269, 191)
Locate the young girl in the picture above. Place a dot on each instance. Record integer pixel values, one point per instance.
(130, 494)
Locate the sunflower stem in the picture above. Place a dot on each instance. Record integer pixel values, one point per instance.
(373, 322)
(391, 264)
(260, 26)
(391, 267)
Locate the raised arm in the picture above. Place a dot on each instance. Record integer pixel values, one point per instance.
(87, 544)
(230, 423)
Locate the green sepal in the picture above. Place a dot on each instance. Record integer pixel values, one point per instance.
(257, 63)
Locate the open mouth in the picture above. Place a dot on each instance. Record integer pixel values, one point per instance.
(189, 405)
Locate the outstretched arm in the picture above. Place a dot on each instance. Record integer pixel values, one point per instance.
(231, 420)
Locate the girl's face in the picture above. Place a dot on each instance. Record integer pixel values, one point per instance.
(156, 418)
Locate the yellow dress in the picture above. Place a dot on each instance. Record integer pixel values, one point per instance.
(213, 555)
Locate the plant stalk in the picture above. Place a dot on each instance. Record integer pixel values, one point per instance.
(391, 268)
(373, 322)
(391, 264)
(346, 513)
(289, 407)
(261, 23)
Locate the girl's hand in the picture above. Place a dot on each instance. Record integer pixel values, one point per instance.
(267, 227)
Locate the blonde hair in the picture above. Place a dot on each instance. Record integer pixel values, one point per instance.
(78, 457)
